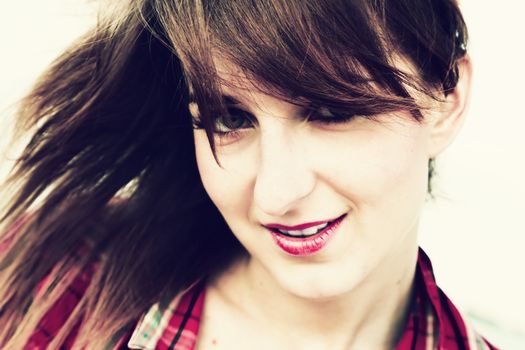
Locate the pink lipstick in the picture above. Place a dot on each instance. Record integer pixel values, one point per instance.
(302, 244)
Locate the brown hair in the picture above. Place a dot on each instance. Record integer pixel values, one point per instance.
(110, 119)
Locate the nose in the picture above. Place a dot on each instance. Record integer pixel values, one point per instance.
(283, 178)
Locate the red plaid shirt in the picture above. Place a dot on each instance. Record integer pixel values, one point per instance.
(433, 321)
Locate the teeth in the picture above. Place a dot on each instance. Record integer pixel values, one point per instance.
(310, 231)
(306, 232)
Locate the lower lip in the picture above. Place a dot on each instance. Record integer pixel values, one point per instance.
(309, 245)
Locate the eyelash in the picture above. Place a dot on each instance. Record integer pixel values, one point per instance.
(333, 119)
(314, 116)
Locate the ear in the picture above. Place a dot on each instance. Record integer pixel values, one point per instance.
(448, 120)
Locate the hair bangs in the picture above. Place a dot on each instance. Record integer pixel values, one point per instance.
(340, 56)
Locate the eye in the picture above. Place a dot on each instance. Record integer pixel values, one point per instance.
(235, 119)
(231, 127)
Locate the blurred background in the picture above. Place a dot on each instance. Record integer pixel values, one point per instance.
(474, 231)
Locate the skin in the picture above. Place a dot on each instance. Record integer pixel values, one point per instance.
(354, 293)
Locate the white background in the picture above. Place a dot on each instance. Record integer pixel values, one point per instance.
(474, 231)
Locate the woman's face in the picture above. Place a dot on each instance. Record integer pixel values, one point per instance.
(277, 169)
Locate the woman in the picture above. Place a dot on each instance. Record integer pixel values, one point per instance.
(237, 175)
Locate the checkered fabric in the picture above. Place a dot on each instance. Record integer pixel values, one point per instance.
(433, 322)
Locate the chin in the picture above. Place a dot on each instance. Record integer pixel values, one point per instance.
(320, 283)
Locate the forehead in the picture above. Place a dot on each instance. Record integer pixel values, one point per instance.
(237, 86)
(233, 81)
(356, 92)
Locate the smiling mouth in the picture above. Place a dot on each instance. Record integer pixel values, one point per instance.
(308, 240)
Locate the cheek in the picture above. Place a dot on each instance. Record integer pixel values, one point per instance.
(375, 166)
(383, 167)
(209, 170)
(227, 186)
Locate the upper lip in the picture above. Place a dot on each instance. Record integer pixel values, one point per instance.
(300, 226)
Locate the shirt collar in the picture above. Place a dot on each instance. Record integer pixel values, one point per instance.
(433, 322)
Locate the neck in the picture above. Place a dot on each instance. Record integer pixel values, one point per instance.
(370, 316)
